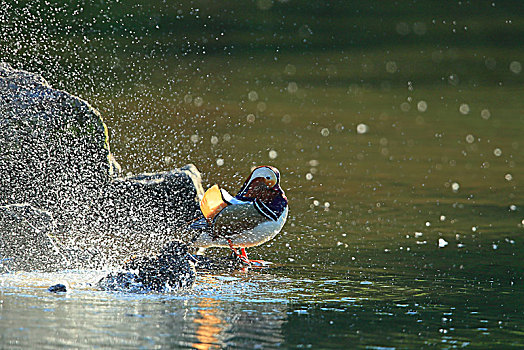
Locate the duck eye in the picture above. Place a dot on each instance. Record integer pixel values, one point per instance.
(267, 177)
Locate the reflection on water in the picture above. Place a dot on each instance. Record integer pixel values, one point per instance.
(209, 326)
(222, 311)
(264, 310)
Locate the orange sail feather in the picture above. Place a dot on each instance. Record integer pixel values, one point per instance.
(212, 203)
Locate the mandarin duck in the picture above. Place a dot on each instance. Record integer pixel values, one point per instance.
(254, 216)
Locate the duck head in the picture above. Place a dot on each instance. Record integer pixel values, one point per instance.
(263, 183)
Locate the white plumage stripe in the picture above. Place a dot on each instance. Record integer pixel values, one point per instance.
(264, 210)
(229, 198)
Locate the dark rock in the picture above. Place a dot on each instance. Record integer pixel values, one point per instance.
(150, 208)
(55, 155)
(28, 242)
(172, 269)
(57, 288)
(55, 149)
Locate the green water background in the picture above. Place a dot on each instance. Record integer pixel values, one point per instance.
(436, 91)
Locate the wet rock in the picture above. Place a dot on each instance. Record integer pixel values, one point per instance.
(55, 150)
(55, 155)
(172, 269)
(149, 208)
(57, 288)
(26, 240)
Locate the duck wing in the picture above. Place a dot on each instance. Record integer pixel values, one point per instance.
(235, 219)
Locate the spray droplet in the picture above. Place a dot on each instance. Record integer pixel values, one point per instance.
(422, 106)
(292, 87)
(464, 108)
(199, 101)
(194, 138)
(442, 243)
(515, 67)
(252, 96)
(362, 128)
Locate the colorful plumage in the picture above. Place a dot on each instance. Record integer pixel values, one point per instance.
(252, 217)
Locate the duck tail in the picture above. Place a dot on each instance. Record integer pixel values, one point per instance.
(196, 228)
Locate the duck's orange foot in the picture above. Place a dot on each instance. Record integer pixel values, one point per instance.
(259, 264)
